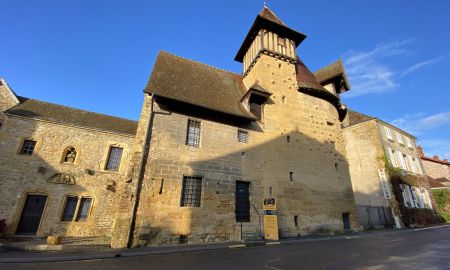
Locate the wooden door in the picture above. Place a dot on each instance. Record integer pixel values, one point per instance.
(31, 214)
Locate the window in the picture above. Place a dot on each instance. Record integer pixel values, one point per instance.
(85, 206)
(399, 138)
(388, 133)
(402, 161)
(242, 136)
(70, 154)
(291, 176)
(69, 208)
(193, 133)
(28, 147)
(256, 110)
(76, 207)
(115, 155)
(392, 159)
(192, 191)
(408, 143)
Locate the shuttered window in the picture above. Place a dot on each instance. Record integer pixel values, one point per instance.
(399, 138)
(69, 208)
(402, 161)
(388, 133)
(114, 158)
(409, 143)
(391, 155)
(193, 133)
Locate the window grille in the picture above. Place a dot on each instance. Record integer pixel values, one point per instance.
(115, 156)
(85, 206)
(69, 208)
(28, 147)
(192, 191)
(193, 133)
(242, 136)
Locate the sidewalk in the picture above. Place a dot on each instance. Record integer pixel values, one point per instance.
(107, 253)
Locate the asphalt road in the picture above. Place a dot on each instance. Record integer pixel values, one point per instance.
(422, 249)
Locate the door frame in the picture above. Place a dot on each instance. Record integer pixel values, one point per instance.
(20, 208)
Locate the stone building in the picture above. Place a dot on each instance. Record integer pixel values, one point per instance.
(368, 141)
(61, 167)
(437, 170)
(209, 147)
(212, 145)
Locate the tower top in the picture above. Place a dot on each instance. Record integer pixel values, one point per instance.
(267, 20)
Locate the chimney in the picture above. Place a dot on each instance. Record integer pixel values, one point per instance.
(420, 150)
(436, 158)
(446, 160)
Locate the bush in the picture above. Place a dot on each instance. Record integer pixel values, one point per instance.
(442, 199)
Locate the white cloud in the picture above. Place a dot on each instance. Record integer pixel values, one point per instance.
(433, 147)
(419, 122)
(422, 64)
(372, 72)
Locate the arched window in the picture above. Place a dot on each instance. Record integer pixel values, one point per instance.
(69, 155)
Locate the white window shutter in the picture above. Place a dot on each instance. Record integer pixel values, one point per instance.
(392, 157)
(399, 138)
(411, 196)
(419, 168)
(421, 199)
(384, 184)
(401, 160)
(412, 164)
(388, 133)
(408, 143)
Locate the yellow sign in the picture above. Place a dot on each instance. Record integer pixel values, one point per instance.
(270, 204)
(270, 227)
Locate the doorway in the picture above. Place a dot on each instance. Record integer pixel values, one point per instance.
(31, 214)
(346, 221)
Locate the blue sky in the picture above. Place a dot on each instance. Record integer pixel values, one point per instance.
(98, 55)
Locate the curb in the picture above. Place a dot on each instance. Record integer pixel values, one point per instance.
(185, 249)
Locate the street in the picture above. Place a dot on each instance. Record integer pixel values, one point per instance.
(419, 249)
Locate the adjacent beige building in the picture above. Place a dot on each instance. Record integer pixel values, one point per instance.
(369, 143)
(437, 170)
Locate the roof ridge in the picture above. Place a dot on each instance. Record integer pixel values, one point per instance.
(335, 62)
(73, 108)
(201, 63)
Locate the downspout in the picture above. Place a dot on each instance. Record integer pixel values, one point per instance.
(140, 178)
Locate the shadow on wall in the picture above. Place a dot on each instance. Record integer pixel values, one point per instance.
(309, 179)
(50, 184)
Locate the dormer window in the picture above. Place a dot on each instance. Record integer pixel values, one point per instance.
(254, 101)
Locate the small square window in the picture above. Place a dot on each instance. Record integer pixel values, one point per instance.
(242, 136)
(114, 158)
(85, 207)
(69, 208)
(28, 147)
(192, 191)
(193, 133)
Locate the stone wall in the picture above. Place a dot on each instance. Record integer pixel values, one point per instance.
(437, 170)
(21, 174)
(300, 134)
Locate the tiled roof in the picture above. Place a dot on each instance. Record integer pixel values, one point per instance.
(332, 71)
(191, 82)
(61, 114)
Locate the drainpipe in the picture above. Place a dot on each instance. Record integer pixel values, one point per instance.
(140, 178)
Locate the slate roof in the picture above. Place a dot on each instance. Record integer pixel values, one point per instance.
(332, 71)
(191, 82)
(37, 109)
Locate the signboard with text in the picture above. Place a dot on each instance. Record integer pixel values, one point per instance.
(270, 227)
(269, 204)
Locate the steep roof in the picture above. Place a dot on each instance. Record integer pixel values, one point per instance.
(331, 72)
(268, 14)
(356, 117)
(267, 20)
(195, 83)
(37, 109)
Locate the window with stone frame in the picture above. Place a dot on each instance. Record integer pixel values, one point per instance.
(191, 193)
(84, 208)
(193, 133)
(69, 155)
(69, 208)
(242, 136)
(28, 147)
(114, 158)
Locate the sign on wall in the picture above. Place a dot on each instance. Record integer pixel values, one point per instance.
(270, 227)
(269, 204)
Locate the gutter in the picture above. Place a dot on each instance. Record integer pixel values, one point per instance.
(140, 179)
